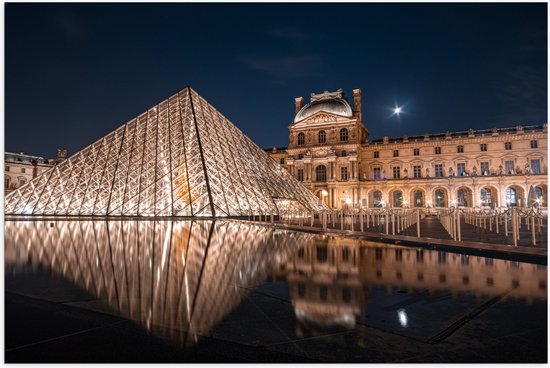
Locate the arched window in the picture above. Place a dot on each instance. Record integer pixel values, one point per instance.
(377, 198)
(485, 197)
(397, 198)
(418, 200)
(321, 173)
(301, 139)
(322, 136)
(462, 198)
(537, 190)
(511, 197)
(343, 135)
(439, 198)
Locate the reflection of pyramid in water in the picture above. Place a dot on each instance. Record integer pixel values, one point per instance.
(179, 158)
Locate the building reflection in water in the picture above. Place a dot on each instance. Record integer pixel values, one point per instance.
(329, 280)
(175, 278)
(178, 279)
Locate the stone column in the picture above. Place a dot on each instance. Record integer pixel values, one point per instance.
(353, 161)
(331, 161)
(307, 169)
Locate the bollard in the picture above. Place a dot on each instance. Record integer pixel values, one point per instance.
(458, 225)
(533, 238)
(514, 227)
(418, 223)
(505, 224)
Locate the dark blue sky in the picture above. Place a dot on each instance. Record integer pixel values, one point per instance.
(75, 72)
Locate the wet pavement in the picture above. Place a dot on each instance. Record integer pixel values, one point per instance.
(135, 292)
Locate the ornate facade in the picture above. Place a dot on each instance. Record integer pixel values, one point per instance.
(20, 168)
(330, 152)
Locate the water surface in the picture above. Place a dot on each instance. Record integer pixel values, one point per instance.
(305, 296)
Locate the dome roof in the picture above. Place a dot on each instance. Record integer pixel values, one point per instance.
(337, 106)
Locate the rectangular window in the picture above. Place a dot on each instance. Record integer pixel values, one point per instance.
(282, 161)
(437, 150)
(509, 167)
(343, 173)
(484, 165)
(22, 170)
(323, 292)
(460, 149)
(416, 152)
(534, 144)
(376, 173)
(395, 153)
(7, 168)
(507, 146)
(322, 254)
(483, 147)
(417, 171)
(6, 183)
(376, 154)
(535, 166)
(461, 169)
(396, 172)
(438, 170)
(300, 175)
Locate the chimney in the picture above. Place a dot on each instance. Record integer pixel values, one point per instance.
(299, 103)
(61, 154)
(357, 104)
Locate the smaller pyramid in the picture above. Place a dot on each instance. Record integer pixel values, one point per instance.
(179, 158)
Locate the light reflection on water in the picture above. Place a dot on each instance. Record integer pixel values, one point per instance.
(170, 276)
(331, 281)
(179, 279)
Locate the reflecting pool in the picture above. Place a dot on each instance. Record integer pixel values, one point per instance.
(303, 297)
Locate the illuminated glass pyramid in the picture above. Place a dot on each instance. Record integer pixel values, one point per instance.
(179, 158)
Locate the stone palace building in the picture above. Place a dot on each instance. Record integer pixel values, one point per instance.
(330, 152)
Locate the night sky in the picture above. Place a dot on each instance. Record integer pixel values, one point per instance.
(75, 72)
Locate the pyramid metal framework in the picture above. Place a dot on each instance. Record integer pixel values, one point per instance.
(179, 158)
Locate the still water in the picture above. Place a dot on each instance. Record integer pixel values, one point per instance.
(313, 296)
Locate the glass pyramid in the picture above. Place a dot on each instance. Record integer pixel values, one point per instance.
(179, 158)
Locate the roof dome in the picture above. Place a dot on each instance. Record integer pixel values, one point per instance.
(332, 102)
